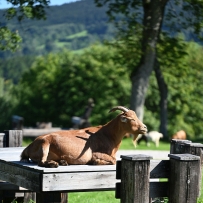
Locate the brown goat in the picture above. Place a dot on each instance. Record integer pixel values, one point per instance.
(180, 135)
(92, 145)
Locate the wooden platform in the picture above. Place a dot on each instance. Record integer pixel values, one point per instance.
(64, 178)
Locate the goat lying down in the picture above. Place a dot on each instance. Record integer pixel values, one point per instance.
(92, 145)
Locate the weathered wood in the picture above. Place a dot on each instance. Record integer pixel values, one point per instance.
(178, 146)
(13, 138)
(184, 178)
(185, 146)
(135, 179)
(2, 140)
(159, 168)
(64, 178)
(80, 181)
(20, 176)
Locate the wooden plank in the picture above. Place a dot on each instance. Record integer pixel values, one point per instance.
(20, 176)
(79, 181)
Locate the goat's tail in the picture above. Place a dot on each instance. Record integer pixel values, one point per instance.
(24, 155)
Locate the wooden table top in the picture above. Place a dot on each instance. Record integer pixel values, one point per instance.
(63, 178)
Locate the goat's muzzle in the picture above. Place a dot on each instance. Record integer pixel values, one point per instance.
(143, 129)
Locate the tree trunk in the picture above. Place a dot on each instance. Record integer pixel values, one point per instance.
(153, 15)
(163, 90)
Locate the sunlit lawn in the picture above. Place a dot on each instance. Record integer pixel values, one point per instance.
(127, 144)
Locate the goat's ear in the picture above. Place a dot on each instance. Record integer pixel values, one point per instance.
(124, 119)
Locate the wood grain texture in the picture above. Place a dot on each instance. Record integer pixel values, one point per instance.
(79, 181)
(14, 138)
(184, 180)
(135, 181)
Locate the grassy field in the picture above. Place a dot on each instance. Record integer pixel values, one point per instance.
(109, 196)
(126, 144)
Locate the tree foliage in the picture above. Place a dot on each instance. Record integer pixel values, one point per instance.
(184, 82)
(9, 39)
(150, 17)
(58, 86)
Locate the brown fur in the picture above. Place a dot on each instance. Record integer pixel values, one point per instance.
(92, 145)
(180, 135)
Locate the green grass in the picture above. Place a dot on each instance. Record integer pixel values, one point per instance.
(127, 144)
(93, 197)
(27, 141)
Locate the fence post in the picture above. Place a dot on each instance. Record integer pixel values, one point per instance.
(135, 178)
(178, 146)
(13, 138)
(184, 180)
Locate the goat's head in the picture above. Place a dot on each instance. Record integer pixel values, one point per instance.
(130, 121)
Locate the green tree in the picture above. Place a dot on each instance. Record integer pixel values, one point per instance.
(9, 39)
(58, 86)
(184, 89)
(7, 104)
(148, 16)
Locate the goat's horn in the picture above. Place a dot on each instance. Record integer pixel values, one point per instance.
(124, 109)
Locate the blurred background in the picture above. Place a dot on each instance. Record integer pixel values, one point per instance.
(51, 67)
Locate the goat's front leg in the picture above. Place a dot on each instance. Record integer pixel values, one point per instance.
(102, 159)
(43, 154)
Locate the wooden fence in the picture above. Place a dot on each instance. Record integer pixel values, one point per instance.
(138, 171)
(183, 172)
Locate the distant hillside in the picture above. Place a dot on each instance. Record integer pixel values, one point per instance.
(73, 26)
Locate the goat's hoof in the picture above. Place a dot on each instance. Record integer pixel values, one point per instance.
(48, 164)
(63, 163)
(53, 164)
(25, 160)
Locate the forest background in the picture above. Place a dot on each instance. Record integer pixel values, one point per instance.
(63, 61)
